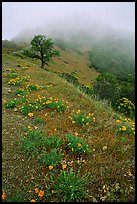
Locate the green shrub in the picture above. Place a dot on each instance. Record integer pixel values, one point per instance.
(77, 145)
(20, 92)
(11, 103)
(53, 142)
(81, 119)
(70, 186)
(125, 106)
(70, 78)
(52, 158)
(33, 144)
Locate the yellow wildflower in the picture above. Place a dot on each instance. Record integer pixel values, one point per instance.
(75, 133)
(32, 200)
(50, 98)
(29, 127)
(41, 193)
(79, 145)
(78, 112)
(15, 109)
(82, 119)
(72, 149)
(50, 167)
(123, 128)
(3, 196)
(73, 121)
(118, 121)
(94, 119)
(64, 166)
(36, 190)
(87, 124)
(30, 114)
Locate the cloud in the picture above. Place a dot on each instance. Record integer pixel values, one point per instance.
(66, 16)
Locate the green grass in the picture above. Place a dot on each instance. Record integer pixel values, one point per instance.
(52, 153)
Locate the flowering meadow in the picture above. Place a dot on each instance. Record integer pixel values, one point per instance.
(63, 146)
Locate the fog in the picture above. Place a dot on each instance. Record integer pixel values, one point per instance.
(21, 19)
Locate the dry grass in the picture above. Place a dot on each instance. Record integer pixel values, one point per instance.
(111, 164)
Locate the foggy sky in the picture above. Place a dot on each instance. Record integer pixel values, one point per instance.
(18, 16)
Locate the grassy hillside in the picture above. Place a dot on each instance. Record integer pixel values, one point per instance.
(58, 144)
(69, 61)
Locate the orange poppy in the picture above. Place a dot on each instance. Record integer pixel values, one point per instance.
(41, 193)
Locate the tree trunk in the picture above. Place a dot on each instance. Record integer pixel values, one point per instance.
(42, 63)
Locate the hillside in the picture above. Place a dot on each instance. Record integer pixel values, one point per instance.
(58, 144)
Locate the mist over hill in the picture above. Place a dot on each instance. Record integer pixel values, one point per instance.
(108, 49)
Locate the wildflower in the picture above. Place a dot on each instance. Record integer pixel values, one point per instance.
(118, 121)
(79, 145)
(52, 191)
(75, 133)
(67, 107)
(69, 117)
(29, 127)
(123, 128)
(15, 109)
(5, 101)
(48, 102)
(78, 112)
(64, 166)
(104, 147)
(50, 167)
(30, 114)
(73, 121)
(36, 190)
(82, 119)
(55, 129)
(93, 150)
(41, 193)
(32, 200)
(87, 124)
(72, 149)
(94, 119)
(3, 196)
(50, 98)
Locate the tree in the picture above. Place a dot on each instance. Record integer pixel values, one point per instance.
(42, 49)
(106, 87)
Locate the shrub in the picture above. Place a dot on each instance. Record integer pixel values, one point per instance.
(70, 78)
(77, 145)
(11, 103)
(70, 186)
(18, 65)
(81, 119)
(125, 106)
(52, 158)
(33, 144)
